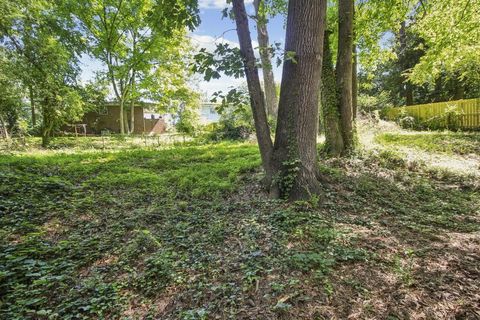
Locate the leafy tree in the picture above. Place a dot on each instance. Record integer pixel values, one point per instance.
(344, 71)
(46, 48)
(11, 97)
(187, 119)
(451, 32)
(129, 37)
(291, 162)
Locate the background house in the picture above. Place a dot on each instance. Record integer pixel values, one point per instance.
(145, 121)
(108, 118)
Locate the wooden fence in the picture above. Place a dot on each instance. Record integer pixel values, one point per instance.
(466, 113)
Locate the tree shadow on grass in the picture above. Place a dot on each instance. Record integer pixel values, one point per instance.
(423, 236)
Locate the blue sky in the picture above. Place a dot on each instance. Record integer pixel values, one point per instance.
(213, 29)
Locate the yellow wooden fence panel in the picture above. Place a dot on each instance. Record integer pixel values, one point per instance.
(468, 112)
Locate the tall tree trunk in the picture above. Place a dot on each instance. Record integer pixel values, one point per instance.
(257, 99)
(132, 102)
(459, 89)
(344, 70)
(32, 105)
(355, 83)
(354, 69)
(266, 58)
(330, 104)
(132, 116)
(48, 118)
(408, 93)
(121, 115)
(125, 120)
(4, 128)
(438, 90)
(295, 148)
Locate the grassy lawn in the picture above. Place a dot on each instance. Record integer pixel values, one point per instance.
(445, 142)
(185, 232)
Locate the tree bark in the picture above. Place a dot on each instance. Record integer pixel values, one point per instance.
(5, 129)
(125, 120)
(121, 115)
(330, 103)
(266, 58)
(257, 99)
(48, 117)
(132, 116)
(408, 94)
(295, 148)
(355, 83)
(459, 89)
(132, 104)
(32, 105)
(344, 71)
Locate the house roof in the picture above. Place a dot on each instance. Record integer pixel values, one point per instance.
(138, 104)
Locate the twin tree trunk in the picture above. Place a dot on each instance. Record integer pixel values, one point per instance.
(339, 86)
(266, 59)
(257, 99)
(330, 103)
(344, 71)
(292, 163)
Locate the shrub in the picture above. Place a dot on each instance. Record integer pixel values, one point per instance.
(235, 124)
(450, 119)
(368, 104)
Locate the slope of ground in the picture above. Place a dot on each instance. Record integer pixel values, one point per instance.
(186, 233)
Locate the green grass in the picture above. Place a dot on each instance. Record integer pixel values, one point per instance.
(185, 232)
(62, 212)
(444, 142)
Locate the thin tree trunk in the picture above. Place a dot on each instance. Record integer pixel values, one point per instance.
(132, 87)
(459, 89)
(118, 94)
(125, 120)
(257, 99)
(132, 116)
(330, 104)
(121, 115)
(437, 91)
(354, 69)
(266, 58)
(32, 105)
(295, 148)
(5, 129)
(344, 71)
(355, 83)
(48, 121)
(409, 94)
(132, 103)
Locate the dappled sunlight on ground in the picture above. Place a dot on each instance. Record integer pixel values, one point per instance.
(186, 232)
(466, 161)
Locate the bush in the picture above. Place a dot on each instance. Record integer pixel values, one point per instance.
(450, 120)
(235, 124)
(368, 104)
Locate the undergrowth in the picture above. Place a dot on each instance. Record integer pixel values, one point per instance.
(186, 233)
